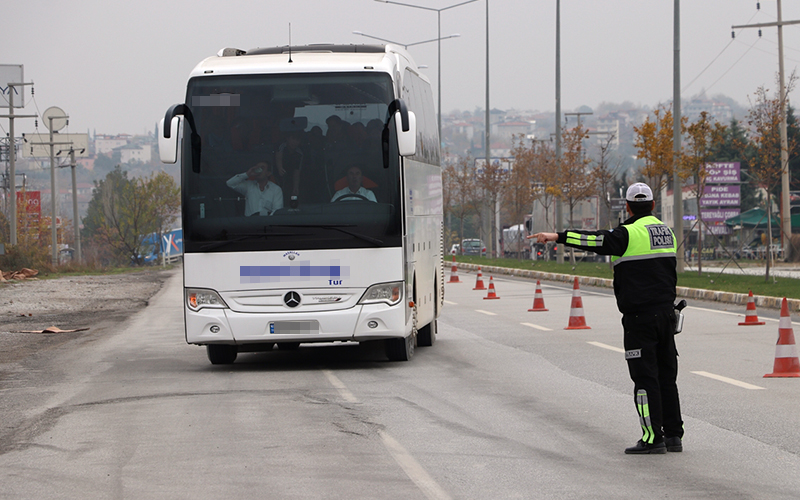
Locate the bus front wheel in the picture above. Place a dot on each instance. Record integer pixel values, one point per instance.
(221, 354)
(400, 349)
(427, 334)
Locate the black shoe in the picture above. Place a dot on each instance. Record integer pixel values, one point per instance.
(674, 444)
(643, 448)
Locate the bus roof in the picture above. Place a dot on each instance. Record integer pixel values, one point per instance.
(307, 59)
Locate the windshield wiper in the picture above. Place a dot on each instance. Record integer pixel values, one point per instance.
(239, 237)
(340, 228)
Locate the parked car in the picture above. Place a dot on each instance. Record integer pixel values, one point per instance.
(473, 247)
(454, 249)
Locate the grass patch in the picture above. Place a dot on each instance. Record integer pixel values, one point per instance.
(735, 283)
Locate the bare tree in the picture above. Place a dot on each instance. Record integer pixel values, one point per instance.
(491, 181)
(605, 173)
(702, 138)
(460, 190)
(577, 184)
(764, 151)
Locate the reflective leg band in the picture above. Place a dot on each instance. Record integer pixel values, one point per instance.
(644, 416)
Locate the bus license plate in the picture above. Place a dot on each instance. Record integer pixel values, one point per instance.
(294, 327)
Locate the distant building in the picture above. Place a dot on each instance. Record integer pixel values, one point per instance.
(507, 130)
(717, 111)
(134, 153)
(106, 144)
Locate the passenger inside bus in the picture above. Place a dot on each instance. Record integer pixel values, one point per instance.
(262, 196)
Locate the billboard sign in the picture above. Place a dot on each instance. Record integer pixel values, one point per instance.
(11, 73)
(721, 196)
(723, 172)
(29, 207)
(718, 215)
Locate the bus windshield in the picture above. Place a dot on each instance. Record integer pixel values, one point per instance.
(290, 162)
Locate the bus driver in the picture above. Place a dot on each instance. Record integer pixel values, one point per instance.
(262, 196)
(354, 189)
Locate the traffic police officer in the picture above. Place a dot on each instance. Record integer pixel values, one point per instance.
(642, 252)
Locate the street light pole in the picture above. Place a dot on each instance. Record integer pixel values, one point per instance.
(439, 63)
(677, 183)
(559, 206)
(406, 45)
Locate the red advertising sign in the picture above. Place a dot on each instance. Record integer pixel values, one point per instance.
(31, 201)
(29, 206)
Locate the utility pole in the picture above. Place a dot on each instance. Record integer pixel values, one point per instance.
(55, 119)
(786, 214)
(488, 132)
(76, 227)
(12, 155)
(677, 183)
(578, 114)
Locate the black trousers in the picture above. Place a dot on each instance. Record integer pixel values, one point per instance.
(653, 366)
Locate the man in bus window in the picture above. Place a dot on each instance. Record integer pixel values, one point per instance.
(262, 196)
(354, 190)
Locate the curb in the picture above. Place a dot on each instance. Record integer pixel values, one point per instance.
(685, 292)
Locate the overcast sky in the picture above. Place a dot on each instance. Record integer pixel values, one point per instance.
(115, 67)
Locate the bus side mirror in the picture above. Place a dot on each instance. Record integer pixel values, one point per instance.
(407, 139)
(168, 140)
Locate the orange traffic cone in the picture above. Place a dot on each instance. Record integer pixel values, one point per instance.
(454, 272)
(751, 317)
(576, 319)
(491, 294)
(479, 281)
(538, 300)
(787, 363)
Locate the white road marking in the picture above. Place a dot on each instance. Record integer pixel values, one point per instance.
(537, 327)
(485, 312)
(413, 469)
(344, 392)
(606, 346)
(429, 487)
(727, 380)
(451, 303)
(761, 318)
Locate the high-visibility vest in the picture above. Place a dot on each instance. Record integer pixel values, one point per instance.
(648, 238)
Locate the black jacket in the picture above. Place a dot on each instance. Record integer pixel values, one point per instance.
(639, 285)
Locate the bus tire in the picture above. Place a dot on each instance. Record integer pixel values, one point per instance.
(426, 336)
(221, 354)
(401, 349)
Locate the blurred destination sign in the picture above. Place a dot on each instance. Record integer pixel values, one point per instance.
(37, 145)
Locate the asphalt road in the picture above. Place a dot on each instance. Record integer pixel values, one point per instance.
(506, 404)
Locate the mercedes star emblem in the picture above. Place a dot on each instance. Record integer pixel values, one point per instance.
(292, 299)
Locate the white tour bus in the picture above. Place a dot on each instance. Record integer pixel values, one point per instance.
(282, 244)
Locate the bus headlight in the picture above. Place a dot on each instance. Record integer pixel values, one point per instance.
(198, 298)
(388, 293)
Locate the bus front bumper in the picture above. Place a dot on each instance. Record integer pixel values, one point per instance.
(357, 324)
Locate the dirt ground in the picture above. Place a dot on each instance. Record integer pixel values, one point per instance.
(93, 302)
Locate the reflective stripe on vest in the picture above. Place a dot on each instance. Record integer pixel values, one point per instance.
(648, 238)
(585, 240)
